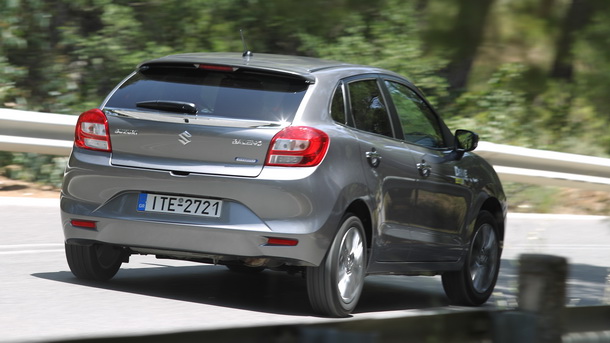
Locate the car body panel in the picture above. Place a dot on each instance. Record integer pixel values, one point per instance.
(442, 204)
(228, 149)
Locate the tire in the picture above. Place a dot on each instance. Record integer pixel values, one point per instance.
(473, 285)
(98, 262)
(335, 286)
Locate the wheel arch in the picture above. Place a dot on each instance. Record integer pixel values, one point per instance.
(494, 206)
(360, 209)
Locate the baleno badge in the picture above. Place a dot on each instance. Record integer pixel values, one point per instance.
(126, 132)
(249, 142)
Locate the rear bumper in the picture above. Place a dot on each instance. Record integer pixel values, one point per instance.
(193, 241)
(301, 204)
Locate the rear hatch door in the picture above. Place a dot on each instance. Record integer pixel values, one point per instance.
(187, 119)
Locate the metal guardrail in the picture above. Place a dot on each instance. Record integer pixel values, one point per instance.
(547, 168)
(49, 133)
(37, 132)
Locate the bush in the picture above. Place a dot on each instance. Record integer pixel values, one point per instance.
(42, 169)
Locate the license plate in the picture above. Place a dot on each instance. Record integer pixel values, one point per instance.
(179, 205)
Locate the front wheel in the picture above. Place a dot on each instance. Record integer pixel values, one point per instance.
(473, 285)
(335, 286)
(98, 262)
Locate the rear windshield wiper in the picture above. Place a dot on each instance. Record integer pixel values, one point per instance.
(168, 105)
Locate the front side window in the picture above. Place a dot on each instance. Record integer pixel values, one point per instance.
(419, 124)
(368, 108)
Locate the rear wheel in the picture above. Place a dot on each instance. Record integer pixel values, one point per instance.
(473, 285)
(335, 286)
(98, 262)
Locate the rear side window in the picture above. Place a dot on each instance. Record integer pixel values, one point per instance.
(368, 108)
(337, 107)
(238, 95)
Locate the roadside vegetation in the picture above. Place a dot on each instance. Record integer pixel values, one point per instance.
(531, 73)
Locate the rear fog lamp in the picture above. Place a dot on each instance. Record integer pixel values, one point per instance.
(276, 241)
(85, 224)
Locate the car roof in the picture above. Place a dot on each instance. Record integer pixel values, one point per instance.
(296, 65)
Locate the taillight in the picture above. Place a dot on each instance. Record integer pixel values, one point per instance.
(92, 131)
(298, 146)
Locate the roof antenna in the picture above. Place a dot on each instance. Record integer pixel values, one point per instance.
(247, 53)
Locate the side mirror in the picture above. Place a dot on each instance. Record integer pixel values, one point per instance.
(465, 140)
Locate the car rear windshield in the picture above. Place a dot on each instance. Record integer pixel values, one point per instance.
(239, 94)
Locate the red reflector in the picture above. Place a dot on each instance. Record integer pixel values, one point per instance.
(282, 241)
(87, 224)
(215, 67)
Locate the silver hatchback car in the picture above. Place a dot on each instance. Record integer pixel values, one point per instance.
(333, 170)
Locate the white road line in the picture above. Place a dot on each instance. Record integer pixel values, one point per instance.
(16, 249)
(24, 201)
(21, 252)
(579, 217)
(559, 246)
(9, 246)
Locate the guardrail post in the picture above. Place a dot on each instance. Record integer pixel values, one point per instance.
(542, 292)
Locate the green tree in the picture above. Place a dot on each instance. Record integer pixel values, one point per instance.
(388, 37)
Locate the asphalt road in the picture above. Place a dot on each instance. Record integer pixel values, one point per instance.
(40, 300)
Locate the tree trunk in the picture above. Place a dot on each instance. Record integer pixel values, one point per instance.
(466, 37)
(545, 7)
(576, 18)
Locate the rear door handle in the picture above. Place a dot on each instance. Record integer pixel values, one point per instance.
(373, 158)
(424, 169)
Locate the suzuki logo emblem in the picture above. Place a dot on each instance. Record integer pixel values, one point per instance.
(185, 138)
